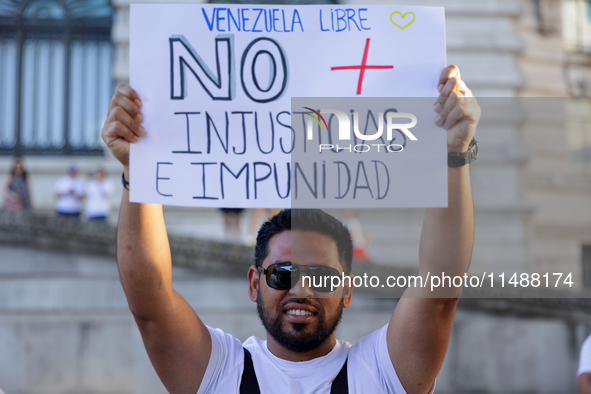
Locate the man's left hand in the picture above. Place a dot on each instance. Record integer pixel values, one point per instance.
(457, 108)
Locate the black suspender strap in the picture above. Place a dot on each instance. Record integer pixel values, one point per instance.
(340, 383)
(250, 384)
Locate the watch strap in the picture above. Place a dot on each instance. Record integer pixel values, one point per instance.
(456, 159)
(124, 181)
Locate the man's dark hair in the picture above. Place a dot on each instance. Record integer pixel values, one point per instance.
(305, 220)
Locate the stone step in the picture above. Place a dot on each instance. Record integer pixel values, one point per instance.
(47, 281)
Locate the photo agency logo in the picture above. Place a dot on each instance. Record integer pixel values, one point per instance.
(347, 151)
(392, 120)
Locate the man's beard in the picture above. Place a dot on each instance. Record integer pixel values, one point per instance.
(300, 341)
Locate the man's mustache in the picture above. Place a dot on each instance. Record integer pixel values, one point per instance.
(306, 301)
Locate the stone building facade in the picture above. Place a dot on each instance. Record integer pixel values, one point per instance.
(532, 202)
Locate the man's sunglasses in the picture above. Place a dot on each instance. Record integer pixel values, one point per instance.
(284, 276)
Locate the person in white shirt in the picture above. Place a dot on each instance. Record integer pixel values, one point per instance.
(584, 372)
(69, 191)
(98, 197)
(301, 354)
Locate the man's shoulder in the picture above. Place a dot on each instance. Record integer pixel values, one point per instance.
(254, 342)
(371, 348)
(372, 339)
(227, 341)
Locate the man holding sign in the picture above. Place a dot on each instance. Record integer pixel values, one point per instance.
(301, 353)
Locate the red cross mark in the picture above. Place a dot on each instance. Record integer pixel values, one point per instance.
(361, 67)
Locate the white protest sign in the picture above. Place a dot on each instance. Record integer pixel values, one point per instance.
(216, 83)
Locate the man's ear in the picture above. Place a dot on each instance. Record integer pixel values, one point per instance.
(348, 292)
(253, 283)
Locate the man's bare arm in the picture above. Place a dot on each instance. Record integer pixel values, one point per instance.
(420, 327)
(584, 383)
(178, 343)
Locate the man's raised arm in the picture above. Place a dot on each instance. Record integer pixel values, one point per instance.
(420, 327)
(178, 343)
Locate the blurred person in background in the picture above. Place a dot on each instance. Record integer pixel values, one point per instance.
(69, 191)
(360, 241)
(255, 223)
(584, 373)
(98, 196)
(16, 189)
(232, 224)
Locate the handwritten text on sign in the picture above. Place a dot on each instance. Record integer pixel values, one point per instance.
(216, 84)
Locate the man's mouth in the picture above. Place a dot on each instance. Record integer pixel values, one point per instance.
(296, 312)
(299, 312)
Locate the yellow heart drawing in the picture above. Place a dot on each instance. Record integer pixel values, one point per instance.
(402, 16)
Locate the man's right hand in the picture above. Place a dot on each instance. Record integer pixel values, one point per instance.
(123, 124)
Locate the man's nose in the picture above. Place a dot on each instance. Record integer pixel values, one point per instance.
(302, 288)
